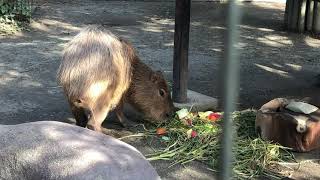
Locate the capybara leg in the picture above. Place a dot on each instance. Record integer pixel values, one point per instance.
(123, 119)
(80, 116)
(96, 118)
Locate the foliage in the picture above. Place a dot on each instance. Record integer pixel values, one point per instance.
(13, 14)
(18, 9)
(253, 156)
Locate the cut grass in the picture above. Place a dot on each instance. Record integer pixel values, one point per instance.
(253, 157)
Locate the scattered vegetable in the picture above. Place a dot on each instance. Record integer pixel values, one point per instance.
(182, 113)
(191, 133)
(195, 136)
(161, 131)
(165, 138)
(214, 116)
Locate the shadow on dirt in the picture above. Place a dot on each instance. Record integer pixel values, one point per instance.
(274, 63)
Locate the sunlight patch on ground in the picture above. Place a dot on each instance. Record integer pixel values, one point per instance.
(247, 27)
(163, 21)
(157, 25)
(170, 44)
(275, 40)
(241, 45)
(150, 27)
(44, 25)
(294, 66)
(265, 29)
(264, 4)
(312, 42)
(217, 27)
(277, 65)
(274, 71)
(216, 50)
(256, 28)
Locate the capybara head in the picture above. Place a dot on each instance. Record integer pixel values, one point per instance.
(151, 95)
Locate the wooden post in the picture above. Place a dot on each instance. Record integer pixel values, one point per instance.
(294, 17)
(316, 17)
(181, 48)
(301, 15)
(309, 16)
(286, 14)
(289, 8)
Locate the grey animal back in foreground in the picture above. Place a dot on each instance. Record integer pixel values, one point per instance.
(55, 150)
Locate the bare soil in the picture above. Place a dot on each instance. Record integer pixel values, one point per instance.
(273, 62)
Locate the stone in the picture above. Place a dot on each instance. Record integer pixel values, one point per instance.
(198, 102)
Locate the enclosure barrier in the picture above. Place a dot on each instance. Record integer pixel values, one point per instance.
(302, 15)
(231, 83)
(230, 66)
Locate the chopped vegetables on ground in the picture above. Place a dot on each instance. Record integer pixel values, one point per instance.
(195, 136)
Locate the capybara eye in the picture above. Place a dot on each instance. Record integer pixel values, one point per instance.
(162, 92)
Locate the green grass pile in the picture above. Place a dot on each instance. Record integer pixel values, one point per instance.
(253, 157)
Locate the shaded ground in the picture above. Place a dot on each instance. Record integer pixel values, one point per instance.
(273, 62)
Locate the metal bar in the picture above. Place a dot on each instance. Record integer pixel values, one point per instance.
(231, 87)
(181, 48)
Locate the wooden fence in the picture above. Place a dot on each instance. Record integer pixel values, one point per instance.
(302, 15)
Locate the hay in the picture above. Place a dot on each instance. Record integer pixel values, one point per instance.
(253, 157)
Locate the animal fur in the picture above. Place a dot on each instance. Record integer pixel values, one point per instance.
(99, 72)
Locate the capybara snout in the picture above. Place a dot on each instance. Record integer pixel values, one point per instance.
(99, 72)
(159, 107)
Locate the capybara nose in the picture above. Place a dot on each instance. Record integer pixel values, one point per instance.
(170, 114)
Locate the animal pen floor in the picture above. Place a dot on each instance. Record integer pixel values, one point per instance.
(273, 63)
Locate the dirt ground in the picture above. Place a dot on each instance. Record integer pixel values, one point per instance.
(274, 63)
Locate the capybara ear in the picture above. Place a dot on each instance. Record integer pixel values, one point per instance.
(155, 76)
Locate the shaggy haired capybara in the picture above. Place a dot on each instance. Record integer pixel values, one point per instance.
(100, 72)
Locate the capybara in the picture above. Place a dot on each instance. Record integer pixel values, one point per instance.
(100, 72)
(52, 150)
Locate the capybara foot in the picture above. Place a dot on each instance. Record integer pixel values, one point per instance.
(127, 123)
(94, 127)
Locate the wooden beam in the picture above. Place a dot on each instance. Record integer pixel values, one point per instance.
(302, 15)
(309, 15)
(181, 48)
(295, 12)
(286, 14)
(289, 8)
(316, 18)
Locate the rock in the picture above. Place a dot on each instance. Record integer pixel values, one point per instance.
(54, 150)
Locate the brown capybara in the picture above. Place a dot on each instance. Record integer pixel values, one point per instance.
(100, 72)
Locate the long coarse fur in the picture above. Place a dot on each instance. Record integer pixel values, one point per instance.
(94, 63)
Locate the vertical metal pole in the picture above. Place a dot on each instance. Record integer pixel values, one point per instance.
(230, 87)
(181, 48)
